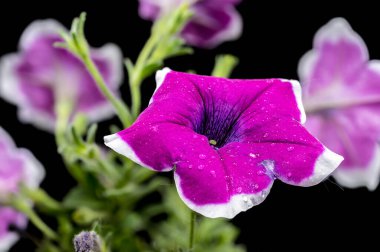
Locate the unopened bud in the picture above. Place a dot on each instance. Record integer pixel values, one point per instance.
(87, 241)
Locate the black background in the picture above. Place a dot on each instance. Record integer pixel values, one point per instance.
(275, 36)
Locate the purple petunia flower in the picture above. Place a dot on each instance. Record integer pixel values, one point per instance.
(228, 140)
(214, 21)
(342, 99)
(34, 77)
(17, 166)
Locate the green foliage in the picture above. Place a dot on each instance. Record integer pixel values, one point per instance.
(210, 235)
(130, 207)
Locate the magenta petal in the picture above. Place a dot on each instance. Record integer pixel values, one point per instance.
(342, 97)
(34, 77)
(9, 217)
(227, 140)
(213, 22)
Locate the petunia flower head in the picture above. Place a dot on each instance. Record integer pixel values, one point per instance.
(39, 74)
(17, 166)
(342, 99)
(226, 139)
(213, 21)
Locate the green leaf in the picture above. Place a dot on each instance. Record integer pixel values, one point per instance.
(80, 197)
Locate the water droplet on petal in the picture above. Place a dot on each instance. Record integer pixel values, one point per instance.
(290, 148)
(200, 167)
(263, 194)
(289, 174)
(252, 155)
(212, 172)
(239, 189)
(190, 166)
(260, 172)
(255, 186)
(245, 199)
(202, 156)
(265, 135)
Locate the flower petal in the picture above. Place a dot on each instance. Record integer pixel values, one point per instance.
(291, 153)
(187, 117)
(337, 55)
(213, 24)
(8, 217)
(203, 177)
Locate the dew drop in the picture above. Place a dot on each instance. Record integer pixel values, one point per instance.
(263, 194)
(265, 135)
(260, 172)
(245, 199)
(190, 166)
(255, 186)
(200, 167)
(289, 175)
(252, 155)
(239, 189)
(202, 156)
(212, 172)
(290, 148)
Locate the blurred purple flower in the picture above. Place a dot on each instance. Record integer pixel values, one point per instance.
(227, 139)
(342, 99)
(34, 77)
(16, 166)
(214, 21)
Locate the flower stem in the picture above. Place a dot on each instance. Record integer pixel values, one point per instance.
(20, 205)
(121, 109)
(192, 230)
(41, 198)
(224, 64)
(136, 77)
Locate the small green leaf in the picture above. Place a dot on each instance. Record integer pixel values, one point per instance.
(79, 196)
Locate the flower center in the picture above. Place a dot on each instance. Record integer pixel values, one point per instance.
(218, 122)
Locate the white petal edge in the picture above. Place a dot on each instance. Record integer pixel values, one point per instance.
(6, 139)
(298, 95)
(117, 144)
(337, 29)
(160, 78)
(33, 171)
(40, 28)
(306, 65)
(326, 163)
(361, 176)
(9, 91)
(237, 204)
(8, 240)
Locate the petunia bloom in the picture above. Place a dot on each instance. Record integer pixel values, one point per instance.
(342, 99)
(226, 139)
(214, 21)
(33, 78)
(17, 166)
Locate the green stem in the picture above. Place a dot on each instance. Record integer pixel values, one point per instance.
(41, 198)
(22, 206)
(192, 230)
(224, 64)
(121, 109)
(63, 110)
(136, 77)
